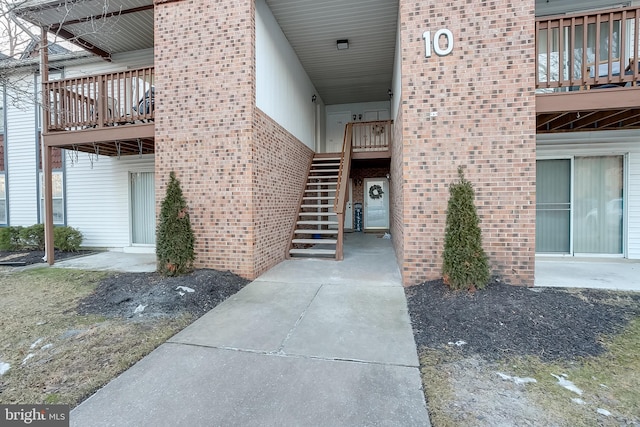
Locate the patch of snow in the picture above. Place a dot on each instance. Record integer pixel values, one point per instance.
(517, 380)
(46, 346)
(603, 386)
(185, 288)
(604, 412)
(29, 356)
(181, 294)
(578, 400)
(4, 368)
(139, 309)
(458, 343)
(35, 343)
(563, 382)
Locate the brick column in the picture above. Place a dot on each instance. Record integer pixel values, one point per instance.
(205, 103)
(483, 95)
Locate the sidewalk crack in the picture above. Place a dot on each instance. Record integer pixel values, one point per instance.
(295, 325)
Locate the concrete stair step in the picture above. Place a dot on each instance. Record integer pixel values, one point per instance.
(316, 222)
(311, 231)
(312, 252)
(322, 183)
(326, 159)
(318, 198)
(328, 205)
(318, 214)
(324, 170)
(316, 241)
(337, 164)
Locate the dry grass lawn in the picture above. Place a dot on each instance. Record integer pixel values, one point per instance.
(55, 354)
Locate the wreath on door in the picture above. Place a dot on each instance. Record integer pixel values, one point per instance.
(375, 192)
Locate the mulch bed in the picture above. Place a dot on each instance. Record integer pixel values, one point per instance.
(119, 295)
(35, 257)
(504, 320)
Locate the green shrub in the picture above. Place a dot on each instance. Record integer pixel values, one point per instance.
(32, 237)
(10, 238)
(465, 263)
(174, 239)
(67, 239)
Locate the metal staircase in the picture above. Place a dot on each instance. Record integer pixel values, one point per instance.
(316, 232)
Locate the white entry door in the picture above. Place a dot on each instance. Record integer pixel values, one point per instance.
(143, 208)
(376, 115)
(376, 204)
(335, 131)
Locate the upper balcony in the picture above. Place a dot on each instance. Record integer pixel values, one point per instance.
(111, 114)
(588, 69)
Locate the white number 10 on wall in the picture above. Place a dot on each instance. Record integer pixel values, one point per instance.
(435, 42)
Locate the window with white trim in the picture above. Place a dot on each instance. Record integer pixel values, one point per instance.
(57, 188)
(3, 199)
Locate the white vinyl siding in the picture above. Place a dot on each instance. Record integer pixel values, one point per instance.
(119, 62)
(283, 88)
(21, 157)
(605, 143)
(98, 197)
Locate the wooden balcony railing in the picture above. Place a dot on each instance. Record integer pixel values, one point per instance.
(371, 136)
(101, 100)
(589, 50)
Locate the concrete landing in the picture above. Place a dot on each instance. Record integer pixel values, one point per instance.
(592, 273)
(112, 261)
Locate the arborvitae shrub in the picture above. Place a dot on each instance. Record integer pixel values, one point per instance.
(174, 240)
(465, 263)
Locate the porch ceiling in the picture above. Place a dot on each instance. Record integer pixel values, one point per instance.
(361, 73)
(102, 27)
(596, 109)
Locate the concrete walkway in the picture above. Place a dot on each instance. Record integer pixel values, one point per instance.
(112, 261)
(309, 343)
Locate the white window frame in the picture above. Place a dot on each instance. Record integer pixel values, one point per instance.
(3, 197)
(625, 213)
(60, 197)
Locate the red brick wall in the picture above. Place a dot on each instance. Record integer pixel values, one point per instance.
(484, 96)
(281, 164)
(396, 185)
(205, 89)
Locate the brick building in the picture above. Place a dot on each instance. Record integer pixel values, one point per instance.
(243, 98)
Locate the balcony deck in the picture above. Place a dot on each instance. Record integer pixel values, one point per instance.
(110, 114)
(588, 71)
